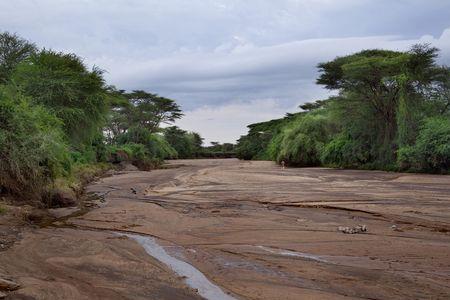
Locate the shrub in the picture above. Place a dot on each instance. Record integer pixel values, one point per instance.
(179, 140)
(345, 152)
(137, 154)
(301, 142)
(251, 147)
(431, 151)
(32, 148)
(157, 147)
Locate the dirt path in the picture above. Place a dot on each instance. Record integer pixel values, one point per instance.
(254, 230)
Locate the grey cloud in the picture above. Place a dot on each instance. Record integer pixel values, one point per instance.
(280, 71)
(211, 55)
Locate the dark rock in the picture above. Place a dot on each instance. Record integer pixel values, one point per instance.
(8, 285)
(64, 198)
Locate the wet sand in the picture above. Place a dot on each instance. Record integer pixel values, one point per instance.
(254, 230)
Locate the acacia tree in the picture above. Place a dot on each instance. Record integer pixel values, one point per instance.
(117, 120)
(387, 89)
(150, 110)
(13, 50)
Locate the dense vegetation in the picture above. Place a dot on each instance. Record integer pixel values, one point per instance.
(392, 112)
(60, 124)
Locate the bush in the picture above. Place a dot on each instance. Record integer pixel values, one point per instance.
(251, 147)
(431, 151)
(345, 152)
(32, 148)
(157, 147)
(301, 142)
(137, 154)
(180, 140)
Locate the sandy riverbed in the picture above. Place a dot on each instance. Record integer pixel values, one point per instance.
(254, 230)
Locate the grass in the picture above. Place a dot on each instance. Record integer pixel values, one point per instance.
(2, 209)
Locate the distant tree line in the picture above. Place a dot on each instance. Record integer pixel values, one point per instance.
(392, 112)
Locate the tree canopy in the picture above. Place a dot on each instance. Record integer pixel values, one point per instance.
(13, 50)
(60, 122)
(62, 83)
(384, 99)
(150, 110)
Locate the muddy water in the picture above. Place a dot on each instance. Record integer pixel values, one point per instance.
(193, 277)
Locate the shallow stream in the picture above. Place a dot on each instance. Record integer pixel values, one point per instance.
(194, 278)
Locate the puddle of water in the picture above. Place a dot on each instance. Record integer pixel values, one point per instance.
(293, 253)
(194, 278)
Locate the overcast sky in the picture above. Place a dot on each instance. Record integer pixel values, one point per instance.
(229, 63)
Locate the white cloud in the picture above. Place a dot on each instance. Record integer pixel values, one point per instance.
(230, 119)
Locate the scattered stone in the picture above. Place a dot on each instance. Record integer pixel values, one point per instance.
(353, 230)
(8, 285)
(395, 228)
(2, 295)
(37, 216)
(63, 197)
(126, 166)
(133, 191)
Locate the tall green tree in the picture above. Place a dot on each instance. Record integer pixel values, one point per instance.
(180, 140)
(13, 50)
(62, 83)
(33, 151)
(388, 88)
(150, 110)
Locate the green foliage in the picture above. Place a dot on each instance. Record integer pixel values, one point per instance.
(133, 151)
(390, 89)
(62, 83)
(218, 150)
(181, 141)
(301, 141)
(156, 146)
(32, 148)
(54, 114)
(150, 110)
(141, 109)
(196, 141)
(431, 151)
(345, 152)
(374, 121)
(13, 50)
(137, 154)
(254, 145)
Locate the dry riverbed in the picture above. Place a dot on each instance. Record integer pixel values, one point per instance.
(227, 229)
